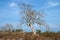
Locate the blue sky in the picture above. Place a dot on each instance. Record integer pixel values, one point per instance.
(9, 11)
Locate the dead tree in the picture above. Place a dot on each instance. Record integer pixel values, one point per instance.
(30, 16)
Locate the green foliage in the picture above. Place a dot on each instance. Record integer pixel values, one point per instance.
(58, 32)
(17, 30)
(38, 31)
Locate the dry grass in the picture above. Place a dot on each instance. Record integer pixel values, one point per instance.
(28, 36)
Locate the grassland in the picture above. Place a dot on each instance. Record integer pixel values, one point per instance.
(28, 36)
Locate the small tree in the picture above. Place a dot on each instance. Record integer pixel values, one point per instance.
(30, 16)
(8, 27)
(47, 29)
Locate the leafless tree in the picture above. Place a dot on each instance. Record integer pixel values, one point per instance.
(30, 16)
(8, 27)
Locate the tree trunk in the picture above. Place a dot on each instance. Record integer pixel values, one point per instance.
(32, 28)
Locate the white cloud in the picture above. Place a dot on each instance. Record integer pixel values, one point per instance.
(52, 4)
(12, 4)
